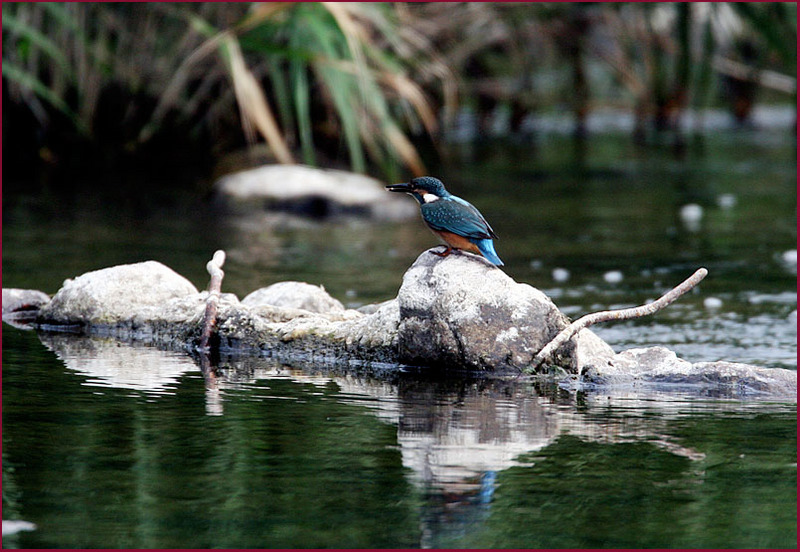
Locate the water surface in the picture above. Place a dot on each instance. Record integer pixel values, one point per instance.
(108, 445)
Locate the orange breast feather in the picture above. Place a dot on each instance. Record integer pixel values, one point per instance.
(459, 242)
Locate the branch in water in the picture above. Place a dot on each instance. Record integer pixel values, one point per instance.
(214, 268)
(622, 314)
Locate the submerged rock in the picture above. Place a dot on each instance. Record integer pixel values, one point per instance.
(314, 192)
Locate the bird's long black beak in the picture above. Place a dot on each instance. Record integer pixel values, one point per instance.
(404, 187)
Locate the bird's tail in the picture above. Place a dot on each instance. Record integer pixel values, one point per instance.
(487, 249)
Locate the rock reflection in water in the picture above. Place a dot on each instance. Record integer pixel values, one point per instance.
(109, 363)
(453, 433)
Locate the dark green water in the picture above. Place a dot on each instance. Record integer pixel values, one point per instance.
(106, 445)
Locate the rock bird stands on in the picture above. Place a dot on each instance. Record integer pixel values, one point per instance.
(453, 219)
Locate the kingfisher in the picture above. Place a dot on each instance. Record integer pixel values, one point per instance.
(460, 225)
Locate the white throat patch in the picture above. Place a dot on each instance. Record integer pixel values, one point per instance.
(430, 198)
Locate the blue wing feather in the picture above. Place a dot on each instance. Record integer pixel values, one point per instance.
(455, 215)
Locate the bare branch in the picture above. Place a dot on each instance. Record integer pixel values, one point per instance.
(214, 268)
(621, 314)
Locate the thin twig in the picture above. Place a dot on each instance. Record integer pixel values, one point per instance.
(214, 268)
(621, 314)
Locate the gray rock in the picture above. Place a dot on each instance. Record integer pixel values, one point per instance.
(456, 312)
(23, 299)
(21, 306)
(373, 307)
(294, 295)
(374, 335)
(315, 191)
(658, 368)
(463, 312)
(652, 359)
(587, 349)
(115, 294)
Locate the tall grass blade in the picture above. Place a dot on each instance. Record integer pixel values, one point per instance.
(26, 80)
(253, 103)
(37, 40)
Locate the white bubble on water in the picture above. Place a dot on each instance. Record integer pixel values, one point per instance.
(726, 201)
(691, 215)
(561, 274)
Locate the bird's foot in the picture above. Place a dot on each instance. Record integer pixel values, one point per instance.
(444, 253)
